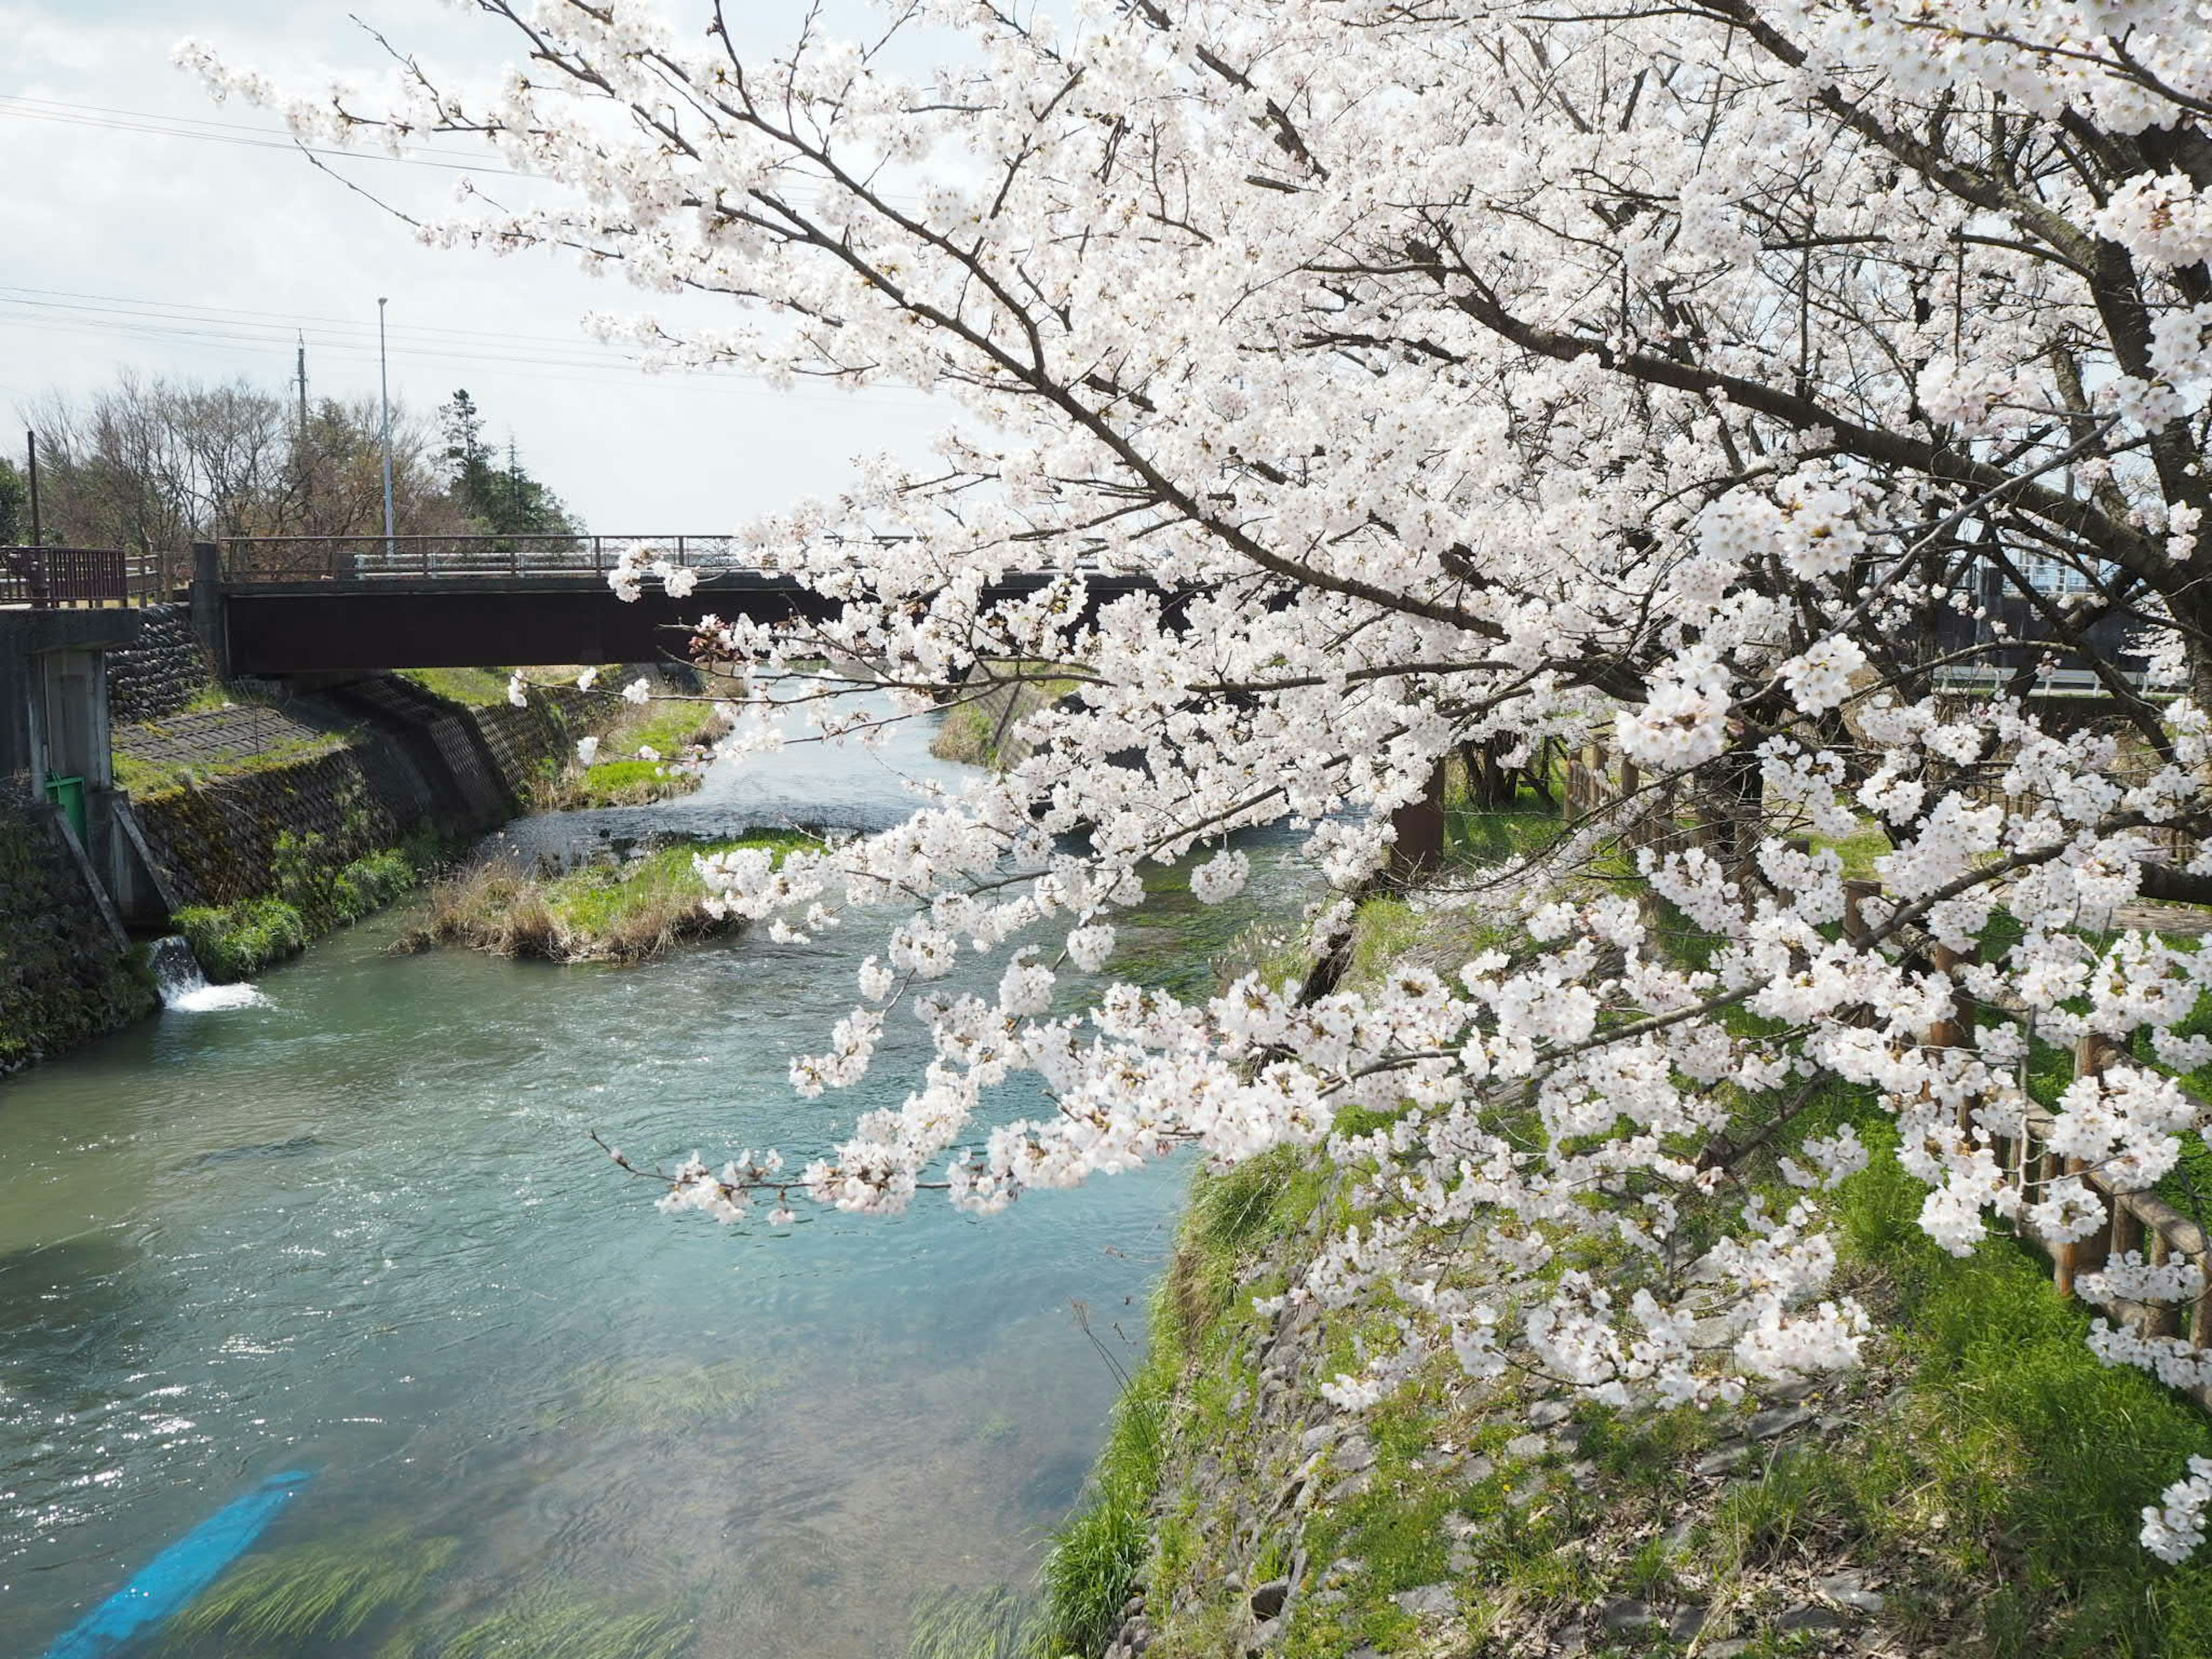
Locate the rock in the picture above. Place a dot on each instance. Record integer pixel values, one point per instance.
(1686, 1624)
(1262, 1633)
(1267, 1600)
(1325, 1598)
(1582, 1473)
(1626, 1614)
(1343, 1570)
(1809, 1617)
(1135, 1604)
(1351, 1487)
(1569, 1644)
(1461, 1560)
(1321, 1434)
(1548, 1413)
(1528, 1447)
(1428, 1601)
(1461, 1527)
(1676, 1538)
(1356, 1453)
(1778, 1420)
(1848, 1589)
(1527, 1490)
(1481, 1470)
(1725, 1650)
(1722, 1460)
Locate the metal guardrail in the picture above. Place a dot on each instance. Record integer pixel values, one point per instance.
(246, 560)
(46, 578)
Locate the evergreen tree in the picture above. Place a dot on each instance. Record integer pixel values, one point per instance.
(502, 500)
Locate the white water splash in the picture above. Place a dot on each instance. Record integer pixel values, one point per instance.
(185, 988)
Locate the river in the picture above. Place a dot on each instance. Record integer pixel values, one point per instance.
(354, 1229)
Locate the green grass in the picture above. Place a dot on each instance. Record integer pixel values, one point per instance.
(972, 728)
(1096, 1553)
(472, 688)
(562, 1627)
(606, 912)
(237, 941)
(623, 778)
(144, 780)
(2015, 1475)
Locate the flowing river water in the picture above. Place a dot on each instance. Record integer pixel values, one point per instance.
(353, 1229)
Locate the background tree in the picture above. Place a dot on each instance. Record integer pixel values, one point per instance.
(155, 463)
(502, 500)
(14, 505)
(1710, 379)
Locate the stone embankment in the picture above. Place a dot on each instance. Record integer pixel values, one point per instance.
(360, 768)
(67, 972)
(162, 672)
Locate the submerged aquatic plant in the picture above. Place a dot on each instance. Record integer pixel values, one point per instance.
(553, 1626)
(317, 1592)
(656, 1396)
(959, 1622)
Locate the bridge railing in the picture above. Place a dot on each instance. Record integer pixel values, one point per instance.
(273, 559)
(46, 578)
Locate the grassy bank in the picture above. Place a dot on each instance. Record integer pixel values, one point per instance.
(974, 728)
(606, 912)
(639, 750)
(311, 898)
(1976, 1489)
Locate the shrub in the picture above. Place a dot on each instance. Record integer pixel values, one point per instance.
(236, 941)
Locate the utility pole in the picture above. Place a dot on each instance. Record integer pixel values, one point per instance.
(384, 383)
(301, 456)
(31, 449)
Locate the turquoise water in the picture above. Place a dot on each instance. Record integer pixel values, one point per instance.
(359, 1230)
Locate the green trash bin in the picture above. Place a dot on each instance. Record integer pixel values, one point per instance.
(68, 793)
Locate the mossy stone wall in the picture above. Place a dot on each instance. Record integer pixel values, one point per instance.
(218, 842)
(62, 980)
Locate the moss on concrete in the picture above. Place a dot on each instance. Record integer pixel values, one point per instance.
(63, 979)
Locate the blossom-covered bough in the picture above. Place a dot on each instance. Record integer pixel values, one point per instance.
(1716, 379)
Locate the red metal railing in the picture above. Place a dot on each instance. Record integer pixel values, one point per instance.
(47, 577)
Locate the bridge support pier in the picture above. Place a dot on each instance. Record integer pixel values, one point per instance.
(207, 606)
(55, 743)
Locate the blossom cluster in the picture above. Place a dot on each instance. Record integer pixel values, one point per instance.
(1714, 408)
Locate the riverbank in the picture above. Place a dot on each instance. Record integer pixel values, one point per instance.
(1975, 1488)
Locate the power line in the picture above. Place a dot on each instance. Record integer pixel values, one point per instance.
(160, 126)
(157, 125)
(127, 314)
(606, 373)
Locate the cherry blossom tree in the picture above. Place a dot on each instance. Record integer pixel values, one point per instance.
(1724, 381)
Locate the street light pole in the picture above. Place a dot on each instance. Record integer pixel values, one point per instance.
(384, 383)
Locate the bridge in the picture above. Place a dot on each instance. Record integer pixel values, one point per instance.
(284, 606)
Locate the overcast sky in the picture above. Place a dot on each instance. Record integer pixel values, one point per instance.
(142, 225)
